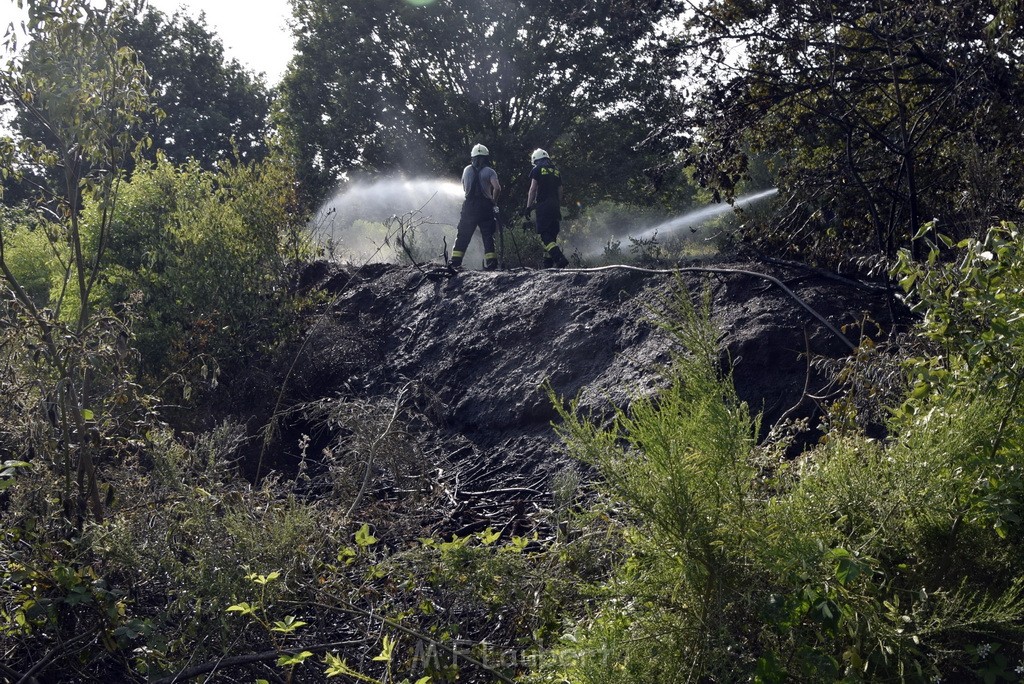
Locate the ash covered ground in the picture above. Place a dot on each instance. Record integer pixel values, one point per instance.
(456, 368)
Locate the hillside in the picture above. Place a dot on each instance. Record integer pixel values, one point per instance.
(463, 363)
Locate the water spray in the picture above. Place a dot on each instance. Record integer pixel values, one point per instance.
(352, 221)
(694, 218)
(699, 216)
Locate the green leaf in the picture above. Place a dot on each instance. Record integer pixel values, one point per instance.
(517, 545)
(296, 659)
(364, 538)
(264, 580)
(8, 469)
(387, 651)
(336, 667)
(288, 625)
(244, 608)
(347, 555)
(489, 536)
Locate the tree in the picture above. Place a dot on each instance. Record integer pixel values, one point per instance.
(89, 95)
(392, 86)
(210, 108)
(204, 255)
(213, 107)
(881, 116)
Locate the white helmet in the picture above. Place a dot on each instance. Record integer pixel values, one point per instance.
(538, 154)
(479, 151)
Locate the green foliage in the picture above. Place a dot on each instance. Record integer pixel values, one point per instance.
(878, 117)
(860, 560)
(88, 94)
(208, 547)
(703, 556)
(209, 108)
(680, 460)
(29, 255)
(972, 311)
(202, 255)
(515, 75)
(973, 308)
(49, 591)
(214, 108)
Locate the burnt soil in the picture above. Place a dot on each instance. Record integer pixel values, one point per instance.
(464, 362)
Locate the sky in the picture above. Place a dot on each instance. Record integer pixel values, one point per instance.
(255, 32)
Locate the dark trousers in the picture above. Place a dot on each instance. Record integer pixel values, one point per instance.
(476, 212)
(549, 217)
(549, 222)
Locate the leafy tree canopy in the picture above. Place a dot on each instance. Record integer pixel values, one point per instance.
(881, 115)
(213, 106)
(88, 96)
(210, 108)
(384, 85)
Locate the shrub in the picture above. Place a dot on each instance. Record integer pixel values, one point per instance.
(860, 560)
(202, 256)
(28, 253)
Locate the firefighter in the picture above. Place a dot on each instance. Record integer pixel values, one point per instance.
(545, 197)
(480, 182)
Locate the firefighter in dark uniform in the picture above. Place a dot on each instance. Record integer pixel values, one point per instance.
(480, 182)
(545, 197)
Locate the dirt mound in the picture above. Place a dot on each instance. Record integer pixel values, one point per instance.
(470, 357)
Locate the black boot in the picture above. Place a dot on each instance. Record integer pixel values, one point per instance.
(558, 258)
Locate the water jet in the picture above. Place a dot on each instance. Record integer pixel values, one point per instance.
(690, 219)
(351, 223)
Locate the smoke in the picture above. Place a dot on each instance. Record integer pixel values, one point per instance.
(350, 225)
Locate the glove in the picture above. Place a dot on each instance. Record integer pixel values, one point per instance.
(495, 209)
(528, 210)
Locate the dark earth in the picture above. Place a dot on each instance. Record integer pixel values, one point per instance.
(447, 373)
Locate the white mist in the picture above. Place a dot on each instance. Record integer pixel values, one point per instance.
(351, 220)
(691, 219)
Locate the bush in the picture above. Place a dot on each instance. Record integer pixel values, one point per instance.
(201, 256)
(861, 560)
(28, 254)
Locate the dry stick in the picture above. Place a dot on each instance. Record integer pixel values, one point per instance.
(239, 661)
(373, 449)
(1006, 417)
(402, 229)
(52, 654)
(831, 275)
(807, 382)
(506, 490)
(12, 675)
